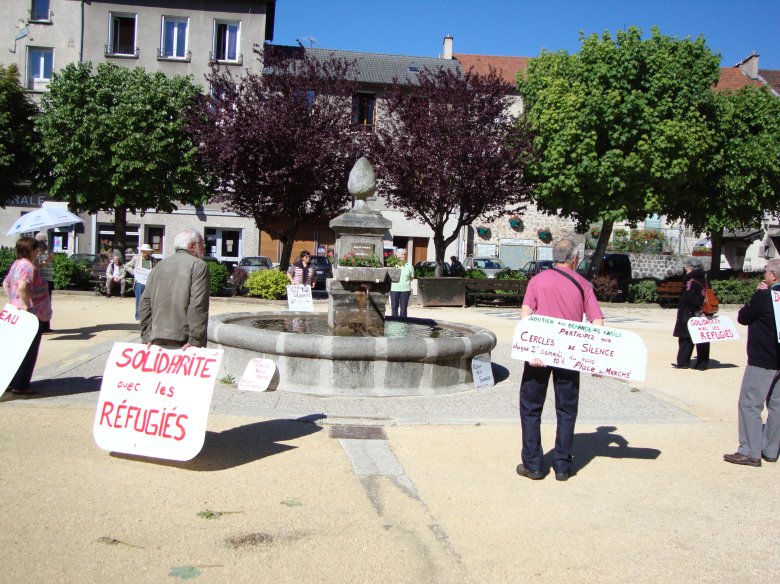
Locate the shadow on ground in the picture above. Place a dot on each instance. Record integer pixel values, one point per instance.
(241, 445)
(603, 442)
(86, 333)
(58, 387)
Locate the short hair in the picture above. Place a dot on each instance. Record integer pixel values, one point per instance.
(693, 262)
(564, 251)
(25, 247)
(401, 251)
(41, 236)
(454, 258)
(185, 238)
(303, 254)
(774, 267)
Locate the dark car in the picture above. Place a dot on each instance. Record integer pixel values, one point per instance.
(536, 266)
(252, 263)
(324, 269)
(427, 267)
(614, 265)
(85, 257)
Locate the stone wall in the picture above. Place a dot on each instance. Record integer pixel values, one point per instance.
(660, 266)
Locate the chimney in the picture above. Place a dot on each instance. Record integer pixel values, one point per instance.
(749, 65)
(446, 48)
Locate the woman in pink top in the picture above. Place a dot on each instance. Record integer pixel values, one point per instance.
(28, 291)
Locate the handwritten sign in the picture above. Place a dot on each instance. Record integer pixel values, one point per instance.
(581, 346)
(17, 331)
(155, 402)
(482, 371)
(705, 329)
(776, 307)
(299, 298)
(257, 375)
(141, 275)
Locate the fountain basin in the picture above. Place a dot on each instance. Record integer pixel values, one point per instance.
(322, 364)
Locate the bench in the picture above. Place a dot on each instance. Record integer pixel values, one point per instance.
(668, 293)
(97, 279)
(510, 291)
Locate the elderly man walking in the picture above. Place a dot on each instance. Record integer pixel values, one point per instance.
(174, 306)
(759, 382)
(561, 293)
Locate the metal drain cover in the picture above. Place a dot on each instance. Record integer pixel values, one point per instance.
(358, 432)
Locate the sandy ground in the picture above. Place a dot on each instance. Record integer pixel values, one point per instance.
(289, 503)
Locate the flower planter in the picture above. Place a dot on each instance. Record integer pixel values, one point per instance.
(441, 291)
(360, 274)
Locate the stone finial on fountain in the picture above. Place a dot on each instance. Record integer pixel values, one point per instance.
(362, 183)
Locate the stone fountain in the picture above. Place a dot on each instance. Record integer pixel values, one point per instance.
(355, 350)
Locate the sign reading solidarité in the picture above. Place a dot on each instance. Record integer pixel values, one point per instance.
(17, 331)
(710, 329)
(581, 346)
(154, 401)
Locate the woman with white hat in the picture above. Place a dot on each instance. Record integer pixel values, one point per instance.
(139, 267)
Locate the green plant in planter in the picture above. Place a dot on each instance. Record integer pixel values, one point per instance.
(483, 232)
(393, 261)
(476, 273)
(424, 272)
(516, 223)
(545, 234)
(350, 260)
(267, 284)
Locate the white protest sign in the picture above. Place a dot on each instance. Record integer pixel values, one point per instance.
(155, 402)
(257, 375)
(707, 329)
(17, 331)
(299, 298)
(482, 371)
(581, 346)
(141, 274)
(776, 306)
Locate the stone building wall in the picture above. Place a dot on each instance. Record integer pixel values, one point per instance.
(660, 266)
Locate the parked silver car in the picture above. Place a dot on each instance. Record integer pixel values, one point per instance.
(491, 266)
(252, 263)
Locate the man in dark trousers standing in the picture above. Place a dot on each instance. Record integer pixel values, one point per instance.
(561, 293)
(759, 382)
(174, 307)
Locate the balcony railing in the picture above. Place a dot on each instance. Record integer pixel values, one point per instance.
(221, 59)
(122, 52)
(161, 56)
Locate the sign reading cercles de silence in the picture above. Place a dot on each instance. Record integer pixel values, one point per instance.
(710, 329)
(581, 346)
(154, 401)
(299, 298)
(776, 307)
(17, 331)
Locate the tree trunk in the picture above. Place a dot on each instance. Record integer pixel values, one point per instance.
(120, 231)
(601, 248)
(716, 237)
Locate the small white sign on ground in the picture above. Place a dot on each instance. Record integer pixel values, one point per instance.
(581, 346)
(711, 329)
(257, 375)
(17, 331)
(299, 298)
(155, 402)
(482, 371)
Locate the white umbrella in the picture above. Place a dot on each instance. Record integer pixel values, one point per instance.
(43, 219)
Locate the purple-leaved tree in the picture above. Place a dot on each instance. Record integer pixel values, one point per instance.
(280, 143)
(449, 152)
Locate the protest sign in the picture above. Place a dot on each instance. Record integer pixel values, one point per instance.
(141, 274)
(257, 375)
(155, 402)
(17, 331)
(581, 346)
(482, 371)
(776, 306)
(299, 298)
(710, 329)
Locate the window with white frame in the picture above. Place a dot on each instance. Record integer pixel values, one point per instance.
(173, 44)
(226, 40)
(40, 11)
(39, 66)
(121, 34)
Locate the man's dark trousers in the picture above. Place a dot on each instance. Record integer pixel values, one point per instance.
(533, 391)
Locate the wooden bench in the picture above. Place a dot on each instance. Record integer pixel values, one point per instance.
(509, 291)
(97, 279)
(668, 292)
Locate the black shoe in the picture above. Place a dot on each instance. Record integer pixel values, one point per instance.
(701, 365)
(769, 459)
(534, 475)
(562, 476)
(738, 458)
(676, 366)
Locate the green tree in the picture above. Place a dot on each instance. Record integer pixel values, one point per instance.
(741, 177)
(17, 135)
(116, 141)
(619, 127)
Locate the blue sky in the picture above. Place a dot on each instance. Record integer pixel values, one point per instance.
(523, 28)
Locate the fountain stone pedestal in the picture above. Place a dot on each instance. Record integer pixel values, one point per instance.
(357, 296)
